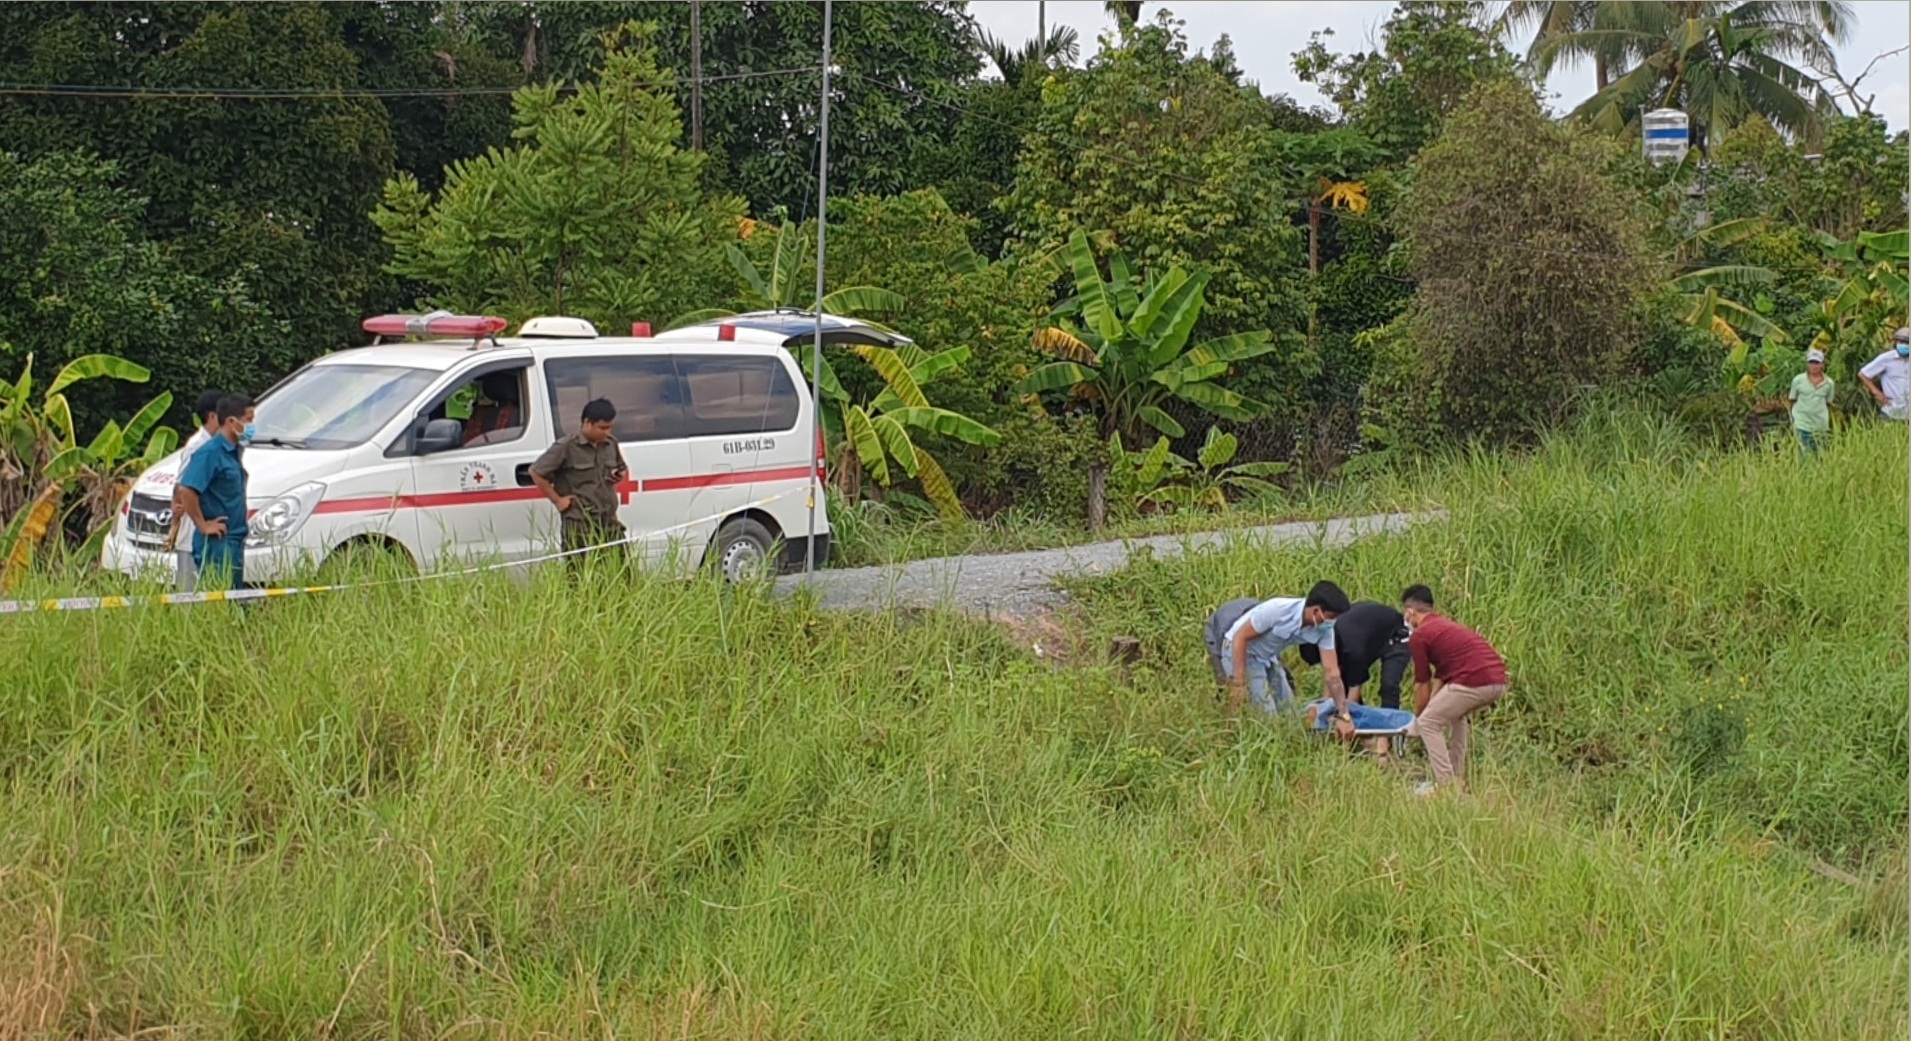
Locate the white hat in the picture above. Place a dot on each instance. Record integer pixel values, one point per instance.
(1815, 355)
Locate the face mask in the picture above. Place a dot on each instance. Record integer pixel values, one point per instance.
(245, 436)
(1904, 350)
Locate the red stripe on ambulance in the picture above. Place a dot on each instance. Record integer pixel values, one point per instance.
(383, 503)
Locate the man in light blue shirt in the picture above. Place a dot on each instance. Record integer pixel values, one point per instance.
(1246, 649)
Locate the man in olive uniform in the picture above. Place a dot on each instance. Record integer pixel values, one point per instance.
(580, 475)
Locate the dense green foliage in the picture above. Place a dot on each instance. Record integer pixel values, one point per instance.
(1176, 162)
(721, 816)
(596, 212)
(276, 190)
(1431, 56)
(78, 276)
(219, 192)
(904, 70)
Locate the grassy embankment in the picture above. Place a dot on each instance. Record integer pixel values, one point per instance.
(477, 809)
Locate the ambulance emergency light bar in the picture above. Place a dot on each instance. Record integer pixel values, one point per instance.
(438, 323)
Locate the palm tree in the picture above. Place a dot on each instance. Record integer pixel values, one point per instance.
(1128, 355)
(1013, 63)
(1719, 61)
(1552, 18)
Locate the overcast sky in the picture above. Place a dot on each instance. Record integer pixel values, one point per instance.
(1266, 34)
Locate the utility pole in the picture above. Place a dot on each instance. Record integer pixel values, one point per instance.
(1041, 22)
(816, 347)
(696, 75)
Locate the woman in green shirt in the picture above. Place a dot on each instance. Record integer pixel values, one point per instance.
(1811, 403)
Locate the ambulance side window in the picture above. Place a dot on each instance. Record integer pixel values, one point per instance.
(731, 394)
(493, 406)
(644, 388)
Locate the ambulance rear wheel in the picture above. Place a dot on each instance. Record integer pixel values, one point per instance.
(743, 551)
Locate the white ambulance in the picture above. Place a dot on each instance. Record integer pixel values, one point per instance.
(424, 447)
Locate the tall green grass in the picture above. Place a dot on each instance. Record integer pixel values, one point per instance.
(644, 809)
(1723, 628)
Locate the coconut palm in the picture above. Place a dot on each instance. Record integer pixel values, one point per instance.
(1013, 63)
(1546, 19)
(1720, 62)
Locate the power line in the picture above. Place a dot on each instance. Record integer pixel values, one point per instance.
(122, 93)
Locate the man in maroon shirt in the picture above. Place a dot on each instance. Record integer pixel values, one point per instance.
(1472, 675)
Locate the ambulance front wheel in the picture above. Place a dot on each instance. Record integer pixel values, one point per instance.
(743, 551)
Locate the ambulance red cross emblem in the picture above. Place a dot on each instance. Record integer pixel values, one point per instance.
(476, 477)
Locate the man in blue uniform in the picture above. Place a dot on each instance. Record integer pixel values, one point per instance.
(212, 492)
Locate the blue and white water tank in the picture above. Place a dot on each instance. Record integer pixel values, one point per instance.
(1668, 135)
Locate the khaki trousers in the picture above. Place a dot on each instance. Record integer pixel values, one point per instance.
(1443, 727)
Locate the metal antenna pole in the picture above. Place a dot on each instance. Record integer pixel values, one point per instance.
(816, 346)
(696, 75)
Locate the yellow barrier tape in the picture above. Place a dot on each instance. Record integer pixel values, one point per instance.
(107, 603)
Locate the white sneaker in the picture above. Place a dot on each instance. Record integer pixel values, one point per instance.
(1426, 789)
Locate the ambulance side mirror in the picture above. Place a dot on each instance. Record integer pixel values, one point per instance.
(438, 435)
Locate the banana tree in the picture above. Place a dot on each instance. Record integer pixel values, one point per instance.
(1169, 481)
(1703, 290)
(1122, 347)
(878, 433)
(1871, 298)
(1706, 306)
(42, 460)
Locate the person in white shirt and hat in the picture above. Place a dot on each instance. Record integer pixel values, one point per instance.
(1888, 376)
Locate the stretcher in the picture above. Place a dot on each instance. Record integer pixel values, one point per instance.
(1383, 734)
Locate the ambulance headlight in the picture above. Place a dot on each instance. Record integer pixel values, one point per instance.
(281, 518)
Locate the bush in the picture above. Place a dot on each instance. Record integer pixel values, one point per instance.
(1401, 395)
(1530, 262)
(1040, 465)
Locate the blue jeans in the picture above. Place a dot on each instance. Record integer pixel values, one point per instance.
(1811, 442)
(1265, 676)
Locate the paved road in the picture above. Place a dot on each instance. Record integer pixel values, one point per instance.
(1013, 584)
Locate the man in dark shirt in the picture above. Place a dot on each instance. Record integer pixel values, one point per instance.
(1471, 675)
(1366, 635)
(580, 475)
